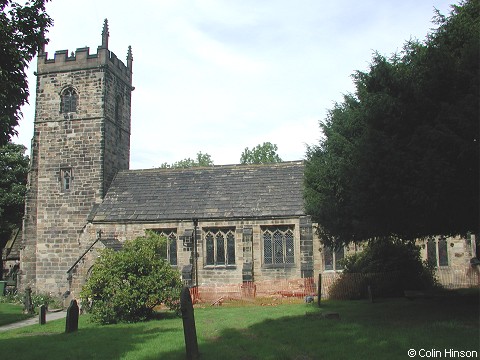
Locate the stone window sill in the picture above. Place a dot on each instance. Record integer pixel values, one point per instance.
(278, 266)
(220, 267)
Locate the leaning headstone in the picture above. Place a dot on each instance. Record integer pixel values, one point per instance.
(42, 315)
(71, 323)
(189, 331)
(27, 301)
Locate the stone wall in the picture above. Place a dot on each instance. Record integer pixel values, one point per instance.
(90, 144)
(208, 275)
(116, 126)
(460, 249)
(309, 253)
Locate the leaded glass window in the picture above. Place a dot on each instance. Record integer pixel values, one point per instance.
(328, 258)
(68, 100)
(219, 246)
(432, 251)
(278, 245)
(333, 259)
(171, 236)
(442, 252)
(210, 248)
(230, 247)
(437, 251)
(339, 255)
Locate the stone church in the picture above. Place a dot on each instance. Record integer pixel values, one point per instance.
(225, 224)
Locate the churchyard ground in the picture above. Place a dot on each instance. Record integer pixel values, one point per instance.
(272, 329)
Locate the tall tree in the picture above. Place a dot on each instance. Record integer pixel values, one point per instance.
(13, 180)
(201, 160)
(400, 157)
(22, 33)
(261, 154)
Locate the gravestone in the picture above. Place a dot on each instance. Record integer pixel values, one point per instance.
(42, 315)
(71, 323)
(189, 331)
(27, 301)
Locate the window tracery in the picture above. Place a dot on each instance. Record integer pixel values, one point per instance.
(278, 245)
(68, 100)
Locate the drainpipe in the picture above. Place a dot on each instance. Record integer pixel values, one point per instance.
(195, 251)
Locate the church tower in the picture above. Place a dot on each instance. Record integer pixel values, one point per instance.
(81, 140)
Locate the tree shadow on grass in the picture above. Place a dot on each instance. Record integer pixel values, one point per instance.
(386, 329)
(95, 342)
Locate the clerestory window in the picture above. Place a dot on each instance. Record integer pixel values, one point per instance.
(68, 100)
(278, 245)
(220, 246)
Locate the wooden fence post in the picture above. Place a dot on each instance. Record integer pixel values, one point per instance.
(319, 289)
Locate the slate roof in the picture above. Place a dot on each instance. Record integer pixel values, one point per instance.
(218, 192)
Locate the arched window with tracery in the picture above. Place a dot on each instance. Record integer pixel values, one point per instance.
(220, 246)
(278, 245)
(171, 237)
(68, 100)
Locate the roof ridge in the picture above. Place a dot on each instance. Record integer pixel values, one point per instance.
(213, 167)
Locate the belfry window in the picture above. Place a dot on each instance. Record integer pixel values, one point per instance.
(220, 246)
(278, 245)
(68, 101)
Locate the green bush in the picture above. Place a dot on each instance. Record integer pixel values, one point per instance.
(10, 298)
(126, 286)
(389, 266)
(45, 299)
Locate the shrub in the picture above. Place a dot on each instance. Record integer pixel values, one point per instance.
(45, 299)
(126, 286)
(12, 298)
(389, 266)
(37, 299)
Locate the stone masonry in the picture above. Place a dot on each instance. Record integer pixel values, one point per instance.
(88, 145)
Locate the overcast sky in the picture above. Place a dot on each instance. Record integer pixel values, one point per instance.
(217, 76)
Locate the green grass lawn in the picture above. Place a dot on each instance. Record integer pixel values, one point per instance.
(386, 329)
(10, 313)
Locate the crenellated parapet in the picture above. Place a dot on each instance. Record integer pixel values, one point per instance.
(82, 59)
